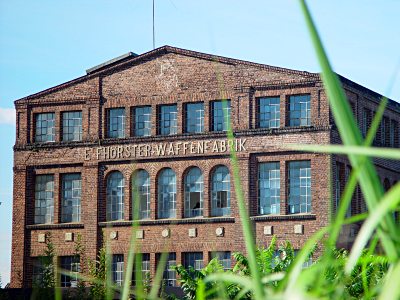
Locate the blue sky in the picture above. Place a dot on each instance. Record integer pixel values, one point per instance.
(44, 43)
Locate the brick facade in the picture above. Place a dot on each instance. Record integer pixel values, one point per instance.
(170, 75)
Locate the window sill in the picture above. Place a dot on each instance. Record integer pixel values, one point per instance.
(196, 220)
(284, 217)
(55, 226)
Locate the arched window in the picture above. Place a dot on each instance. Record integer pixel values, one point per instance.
(115, 196)
(141, 193)
(220, 192)
(194, 193)
(167, 194)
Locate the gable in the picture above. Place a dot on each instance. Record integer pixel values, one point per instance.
(175, 73)
(169, 70)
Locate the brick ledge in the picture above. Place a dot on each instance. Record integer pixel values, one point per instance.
(284, 217)
(170, 138)
(170, 221)
(55, 226)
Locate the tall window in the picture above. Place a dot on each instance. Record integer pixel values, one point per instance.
(37, 271)
(221, 115)
(44, 199)
(117, 269)
(224, 258)
(366, 118)
(142, 121)
(392, 133)
(115, 196)
(44, 127)
(194, 115)
(220, 192)
(194, 193)
(72, 126)
(299, 187)
(193, 259)
(339, 176)
(383, 128)
(167, 194)
(71, 198)
(169, 275)
(299, 110)
(167, 119)
(269, 180)
(116, 123)
(141, 193)
(269, 112)
(144, 269)
(72, 264)
(346, 176)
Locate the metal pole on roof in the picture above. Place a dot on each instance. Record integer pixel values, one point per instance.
(154, 35)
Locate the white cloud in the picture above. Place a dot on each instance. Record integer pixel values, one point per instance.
(7, 116)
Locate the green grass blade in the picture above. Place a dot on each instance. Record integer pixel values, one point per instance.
(200, 291)
(157, 281)
(391, 290)
(364, 263)
(389, 153)
(132, 246)
(57, 288)
(229, 277)
(109, 280)
(347, 196)
(297, 266)
(277, 276)
(350, 134)
(388, 203)
(243, 212)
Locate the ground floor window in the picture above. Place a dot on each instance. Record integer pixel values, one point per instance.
(144, 269)
(117, 268)
(71, 264)
(299, 187)
(193, 259)
(169, 275)
(224, 258)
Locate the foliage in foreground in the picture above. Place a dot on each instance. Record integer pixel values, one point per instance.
(363, 282)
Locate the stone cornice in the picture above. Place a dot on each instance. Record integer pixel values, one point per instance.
(170, 138)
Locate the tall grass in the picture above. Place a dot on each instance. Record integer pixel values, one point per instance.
(298, 283)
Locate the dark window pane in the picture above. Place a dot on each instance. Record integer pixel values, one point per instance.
(44, 128)
(116, 123)
(194, 115)
(142, 121)
(221, 115)
(269, 112)
(299, 110)
(167, 119)
(299, 187)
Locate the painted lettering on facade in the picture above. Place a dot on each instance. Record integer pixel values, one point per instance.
(168, 149)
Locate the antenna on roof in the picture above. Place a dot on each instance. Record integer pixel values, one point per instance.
(154, 35)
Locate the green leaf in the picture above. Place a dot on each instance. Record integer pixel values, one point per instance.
(389, 153)
(388, 203)
(391, 290)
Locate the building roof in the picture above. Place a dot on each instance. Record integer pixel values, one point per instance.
(130, 59)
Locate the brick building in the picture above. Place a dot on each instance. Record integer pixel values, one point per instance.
(152, 125)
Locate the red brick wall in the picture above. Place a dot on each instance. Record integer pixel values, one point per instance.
(175, 77)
